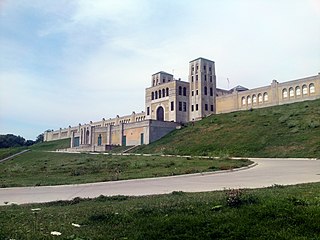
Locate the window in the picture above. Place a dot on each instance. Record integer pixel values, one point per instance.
(184, 106)
(304, 90)
(163, 92)
(180, 90)
(254, 99)
(206, 107)
(192, 93)
(291, 92)
(298, 91)
(180, 106)
(172, 106)
(196, 107)
(265, 97)
(159, 93)
(191, 78)
(167, 92)
(284, 93)
(259, 98)
(197, 93)
(192, 108)
(197, 68)
(210, 69)
(312, 89)
(243, 101)
(148, 111)
(152, 96)
(205, 77)
(184, 91)
(211, 108)
(156, 94)
(196, 77)
(205, 91)
(204, 67)
(249, 100)
(211, 91)
(163, 80)
(210, 78)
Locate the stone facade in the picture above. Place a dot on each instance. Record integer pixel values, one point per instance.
(170, 102)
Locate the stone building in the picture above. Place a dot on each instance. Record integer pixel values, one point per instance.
(170, 102)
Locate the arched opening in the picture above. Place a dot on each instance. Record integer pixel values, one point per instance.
(184, 91)
(180, 90)
(254, 99)
(291, 92)
(87, 137)
(249, 100)
(160, 114)
(284, 93)
(163, 92)
(167, 92)
(152, 96)
(265, 97)
(312, 89)
(298, 91)
(304, 90)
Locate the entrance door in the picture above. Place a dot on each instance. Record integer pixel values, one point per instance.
(141, 138)
(160, 114)
(124, 140)
(76, 142)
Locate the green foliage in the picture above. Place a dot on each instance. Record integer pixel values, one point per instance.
(281, 131)
(278, 212)
(10, 140)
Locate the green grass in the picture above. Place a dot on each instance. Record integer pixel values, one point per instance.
(273, 213)
(38, 168)
(7, 152)
(282, 131)
(52, 145)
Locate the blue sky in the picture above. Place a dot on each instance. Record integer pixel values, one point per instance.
(65, 62)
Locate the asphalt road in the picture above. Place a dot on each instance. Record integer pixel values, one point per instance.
(266, 173)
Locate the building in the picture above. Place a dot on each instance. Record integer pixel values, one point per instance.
(170, 102)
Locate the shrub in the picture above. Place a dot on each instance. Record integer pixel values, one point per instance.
(234, 197)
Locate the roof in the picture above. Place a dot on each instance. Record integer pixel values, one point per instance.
(202, 59)
(163, 73)
(239, 88)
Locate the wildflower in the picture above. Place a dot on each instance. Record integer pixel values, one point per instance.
(75, 225)
(116, 213)
(55, 233)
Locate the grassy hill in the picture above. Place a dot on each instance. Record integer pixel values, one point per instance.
(282, 131)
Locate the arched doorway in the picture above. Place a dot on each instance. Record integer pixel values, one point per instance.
(160, 114)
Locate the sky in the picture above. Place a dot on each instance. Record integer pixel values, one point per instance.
(65, 62)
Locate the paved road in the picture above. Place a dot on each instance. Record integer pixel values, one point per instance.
(266, 173)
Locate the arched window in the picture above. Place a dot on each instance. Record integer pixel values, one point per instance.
(167, 92)
(180, 90)
(159, 93)
(205, 91)
(265, 97)
(284, 93)
(163, 92)
(259, 98)
(156, 94)
(304, 90)
(184, 91)
(249, 100)
(243, 101)
(152, 96)
(312, 89)
(254, 99)
(298, 91)
(291, 92)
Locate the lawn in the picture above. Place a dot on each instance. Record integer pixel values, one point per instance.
(278, 212)
(281, 131)
(6, 152)
(38, 168)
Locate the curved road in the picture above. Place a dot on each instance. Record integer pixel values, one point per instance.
(266, 173)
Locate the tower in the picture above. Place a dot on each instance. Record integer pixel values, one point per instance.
(202, 83)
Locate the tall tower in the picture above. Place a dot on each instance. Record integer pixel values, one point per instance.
(202, 79)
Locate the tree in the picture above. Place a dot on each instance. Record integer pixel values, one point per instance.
(39, 138)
